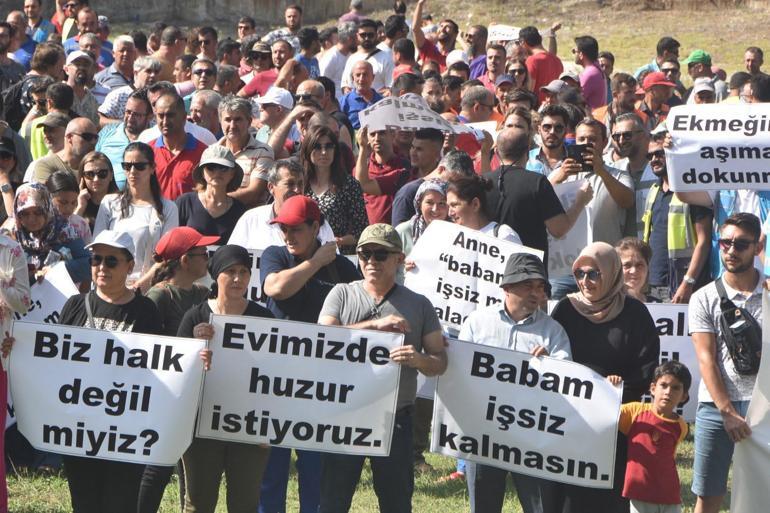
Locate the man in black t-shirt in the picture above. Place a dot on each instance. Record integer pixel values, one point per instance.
(525, 200)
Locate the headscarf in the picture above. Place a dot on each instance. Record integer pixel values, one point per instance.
(418, 221)
(612, 292)
(224, 257)
(57, 229)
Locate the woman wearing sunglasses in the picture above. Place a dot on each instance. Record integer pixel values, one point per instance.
(613, 334)
(338, 194)
(96, 181)
(139, 210)
(518, 70)
(45, 236)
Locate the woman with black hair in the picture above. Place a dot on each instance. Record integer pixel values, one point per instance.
(139, 210)
(97, 179)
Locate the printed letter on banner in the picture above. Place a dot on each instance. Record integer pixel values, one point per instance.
(563, 252)
(300, 385)
(548, 418)
(48, 297)
(718, 147)
(109, 395)
(459, 269)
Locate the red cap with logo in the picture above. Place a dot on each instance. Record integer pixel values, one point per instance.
(179, 241)
(656, 78)
(296, 210)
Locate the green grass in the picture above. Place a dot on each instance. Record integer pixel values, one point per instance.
(49, 494)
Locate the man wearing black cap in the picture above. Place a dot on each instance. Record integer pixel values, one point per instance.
(517, 323)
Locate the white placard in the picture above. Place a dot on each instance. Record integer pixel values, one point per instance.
(564, 251)
(719, 146)
(300, 385)
(503, 33)
(110, 395)
(459, 269)
(543, 417)
(48, 296)
(407, 112)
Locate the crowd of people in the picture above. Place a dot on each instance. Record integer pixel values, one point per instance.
(126, 155)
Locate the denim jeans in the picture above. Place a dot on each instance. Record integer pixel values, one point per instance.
(276, 479)
(392, 476)
(486, 490)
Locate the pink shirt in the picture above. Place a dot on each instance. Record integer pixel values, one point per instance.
(594, 86)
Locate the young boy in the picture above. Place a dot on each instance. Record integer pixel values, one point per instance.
(654, 430)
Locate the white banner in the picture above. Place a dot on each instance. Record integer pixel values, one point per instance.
(543, 417)
(48, 297)
(300, 385)
(719, 147)
(407, 112)
(564, 251)
(109, 395)
(503, 33)
(459, 269)
(751, 462)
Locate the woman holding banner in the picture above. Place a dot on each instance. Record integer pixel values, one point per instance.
(205, 460)
(467, 201)
(97, 179)
(613, 334)
(430, 205)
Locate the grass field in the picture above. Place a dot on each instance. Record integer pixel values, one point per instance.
(35, 494)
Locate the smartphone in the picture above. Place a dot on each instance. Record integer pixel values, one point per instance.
(576, 151)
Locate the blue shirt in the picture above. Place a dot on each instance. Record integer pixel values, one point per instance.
(111, 78)
(492, 326)
(41, 32)
(24, 54)
(112, 142)
(353, 103)
(539, 164)
(311, 65)
(105, 53)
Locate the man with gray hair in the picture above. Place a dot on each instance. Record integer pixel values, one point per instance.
(332, 62)
(146, 72)
(79, 139)
(121, 72)
(477, 105)
(254, 231)
(204, 108)
(255, 158)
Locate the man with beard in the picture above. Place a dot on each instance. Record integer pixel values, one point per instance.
(495, 66)
(114, 137)
(80, 69)
(293, 18)
(38, 27)
(446, 37)
(381, 62)
(476, 42)
(623, 87)
(592, 84)
(11, 71)
(724, 394)
(553, 128)
(679, 235)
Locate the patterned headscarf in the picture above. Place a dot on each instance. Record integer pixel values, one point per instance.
(418, 221)
(56, 231)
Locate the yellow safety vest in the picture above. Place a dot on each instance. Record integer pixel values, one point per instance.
(681, 232)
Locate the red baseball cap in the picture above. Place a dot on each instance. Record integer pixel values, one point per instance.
(656, 78)
(178, 241)
(296, 210)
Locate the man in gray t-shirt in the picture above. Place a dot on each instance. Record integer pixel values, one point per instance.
(724, 394)
(378, 303)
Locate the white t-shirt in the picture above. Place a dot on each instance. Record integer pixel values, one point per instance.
(505, 232)
(254, 231)
(382, 64)
(143, 224)
(332, 64)
(204, 135)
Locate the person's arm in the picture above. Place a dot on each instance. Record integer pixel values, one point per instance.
(700, 198)
(284, 284)
(431, 362)
(705, 350)
(486, 152)
(620, 193)
(368, 185)
(419, 35)
(560, 224)
(250, 194)
(551, 37)
(78, 267)
(699, 258)
(279, 135)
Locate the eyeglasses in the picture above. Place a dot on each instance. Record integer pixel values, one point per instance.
(139, 166)
(591, 274)
(658, 153)
(738, 244)
(518, 71)
(669, 70)
(110, 261)
(101, 173)
(204, 71)
(6, 155)
(323, 147)
(367, 35)
(29, 212)
(547, 127)
(380, 255)
(87, 136)
(617, 136)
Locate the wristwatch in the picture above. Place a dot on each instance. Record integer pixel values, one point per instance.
(6, 187)
(688, 280)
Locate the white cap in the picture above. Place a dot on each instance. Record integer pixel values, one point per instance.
(115, 239)
(456, 56)
(702, 84)
(277, 96)
(78, 54)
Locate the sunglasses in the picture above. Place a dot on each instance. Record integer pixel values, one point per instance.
(304, 97)
(87, 136)
(659, 154)
(617, 136)
(323, 146)
(547, 127)
(110, 261)
(139, 166)
(591, 274)
(669, 70)
(204, 71)
(380, 255)
(738, 244)
(517, 71)
(101, 173)
(367, 35)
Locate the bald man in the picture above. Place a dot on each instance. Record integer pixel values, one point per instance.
(22, 46)
(362, 95)
(80, 137)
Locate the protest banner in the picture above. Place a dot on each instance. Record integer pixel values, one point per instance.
(48, 296)
(408, 112)
(564, 251)
(300, 385)
(751, 461)
(514, 411)
(459, 269)
(503, 33)
(719, 146)
(111, 395)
